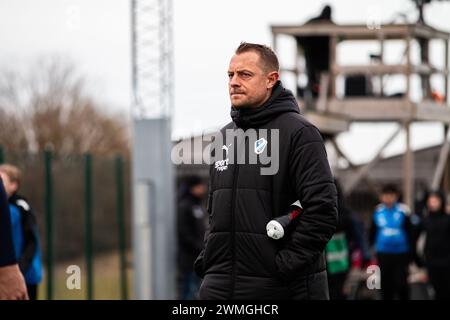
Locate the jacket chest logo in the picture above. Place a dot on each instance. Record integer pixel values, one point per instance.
(260, 145)
(222, 165)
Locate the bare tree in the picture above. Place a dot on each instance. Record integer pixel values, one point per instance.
(49, 105)
(12, 135)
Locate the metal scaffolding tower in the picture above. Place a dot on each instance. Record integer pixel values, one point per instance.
(154, 233)
(152, 58)
(328, 107)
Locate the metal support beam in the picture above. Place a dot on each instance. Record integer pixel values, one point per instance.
(408, 169)
(88, 245)
(154, 220)
(443, 156)
(154, 232)
(363, 171)
(446, 52)
(120, 196)
(341, 153)
(381, 62)
(352, 166)
(48, 159)
(322, 102)
(424, 59)
(332, 64)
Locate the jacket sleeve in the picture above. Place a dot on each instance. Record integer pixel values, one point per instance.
(373, 230)
(361, 239)
(30, 236)
(7, 254)
(412, 228)
(314, 186)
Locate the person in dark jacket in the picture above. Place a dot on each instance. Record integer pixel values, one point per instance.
(12, 284)
(239, 260)
(24, 230)
(317, 52)
(191, 229)
(338, 249)
(436, 225)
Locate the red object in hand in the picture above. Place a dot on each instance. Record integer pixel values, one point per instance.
(276, 227)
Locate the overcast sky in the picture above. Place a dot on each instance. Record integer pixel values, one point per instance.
(205, 34)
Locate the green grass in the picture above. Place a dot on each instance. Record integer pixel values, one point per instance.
(106, 280)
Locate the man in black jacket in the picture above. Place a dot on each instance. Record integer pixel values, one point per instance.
(239, 260)
(191, 228)
(436, 225)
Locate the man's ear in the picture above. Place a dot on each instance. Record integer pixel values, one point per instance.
(272, 79)
(15, 187)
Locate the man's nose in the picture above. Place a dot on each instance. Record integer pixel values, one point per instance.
(234, 81)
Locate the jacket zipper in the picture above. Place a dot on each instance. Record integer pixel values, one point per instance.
(233, 231)
(233, 228)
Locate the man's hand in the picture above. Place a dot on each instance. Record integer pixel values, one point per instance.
(12, 284)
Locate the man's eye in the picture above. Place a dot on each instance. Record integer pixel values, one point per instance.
(246, 75)
(230, 75)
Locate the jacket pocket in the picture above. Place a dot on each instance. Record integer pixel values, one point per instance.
(199, 265)
(216, 258)
(256, 254)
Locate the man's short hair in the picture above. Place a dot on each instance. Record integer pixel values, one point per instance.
(12, 172)
(390, 189)
(268, 58)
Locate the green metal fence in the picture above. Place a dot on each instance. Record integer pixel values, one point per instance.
(49, 221)
(84, 198)
(2, 155)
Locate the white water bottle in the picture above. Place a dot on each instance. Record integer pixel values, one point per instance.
(276, 228)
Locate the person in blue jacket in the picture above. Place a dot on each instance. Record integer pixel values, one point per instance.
(391, 233)
(12, 284)
(24, 230)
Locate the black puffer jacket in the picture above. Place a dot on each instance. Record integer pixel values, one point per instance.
(239, 260)
(437, 228)
(191, 228)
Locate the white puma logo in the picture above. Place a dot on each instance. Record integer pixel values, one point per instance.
(224, 147)
(222, 165)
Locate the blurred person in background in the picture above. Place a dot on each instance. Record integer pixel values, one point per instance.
(191, 230)
(391, 232)
(348, 237)
(24, 230)
(436, 225)
(12, 284)
(316, 51)
(337, 250)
